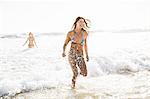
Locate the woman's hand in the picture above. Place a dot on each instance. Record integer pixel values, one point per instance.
(87, 58)
(63, 54)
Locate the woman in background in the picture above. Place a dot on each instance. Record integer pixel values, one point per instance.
(31, 40)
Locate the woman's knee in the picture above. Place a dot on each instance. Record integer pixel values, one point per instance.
(85, 74)
(76, 73)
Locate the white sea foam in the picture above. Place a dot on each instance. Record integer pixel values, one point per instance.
(112, 56)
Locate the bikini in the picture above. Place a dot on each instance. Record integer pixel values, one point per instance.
(73, 38)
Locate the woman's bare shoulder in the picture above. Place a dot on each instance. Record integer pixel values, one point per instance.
(85, 33)
(70, 33)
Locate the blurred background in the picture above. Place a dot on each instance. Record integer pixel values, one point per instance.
(17, 16)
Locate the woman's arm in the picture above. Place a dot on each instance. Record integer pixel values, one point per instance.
(85, 46)
(65, 44)
(86, 50)
(26, 41)
(35, 42)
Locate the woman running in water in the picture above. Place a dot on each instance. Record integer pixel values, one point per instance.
(78, 39)
(31, 41)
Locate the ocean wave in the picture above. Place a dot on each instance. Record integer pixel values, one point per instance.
(37, 34)
(21, 91)
(24, 35)
(24, 70)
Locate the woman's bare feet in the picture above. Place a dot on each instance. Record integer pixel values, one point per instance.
(73, 84)
(83, 74)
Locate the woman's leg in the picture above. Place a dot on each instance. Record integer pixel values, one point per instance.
(75, 74)
(82, 65)
(72, 61)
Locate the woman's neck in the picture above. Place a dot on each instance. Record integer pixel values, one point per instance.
(78, 30)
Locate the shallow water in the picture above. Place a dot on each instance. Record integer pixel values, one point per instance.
(125, 86)
(118, 68)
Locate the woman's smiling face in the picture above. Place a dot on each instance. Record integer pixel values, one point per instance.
(81, 23)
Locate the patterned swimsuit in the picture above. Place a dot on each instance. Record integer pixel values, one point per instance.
(76, 58)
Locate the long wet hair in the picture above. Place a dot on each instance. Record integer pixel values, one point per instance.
(85, 21)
